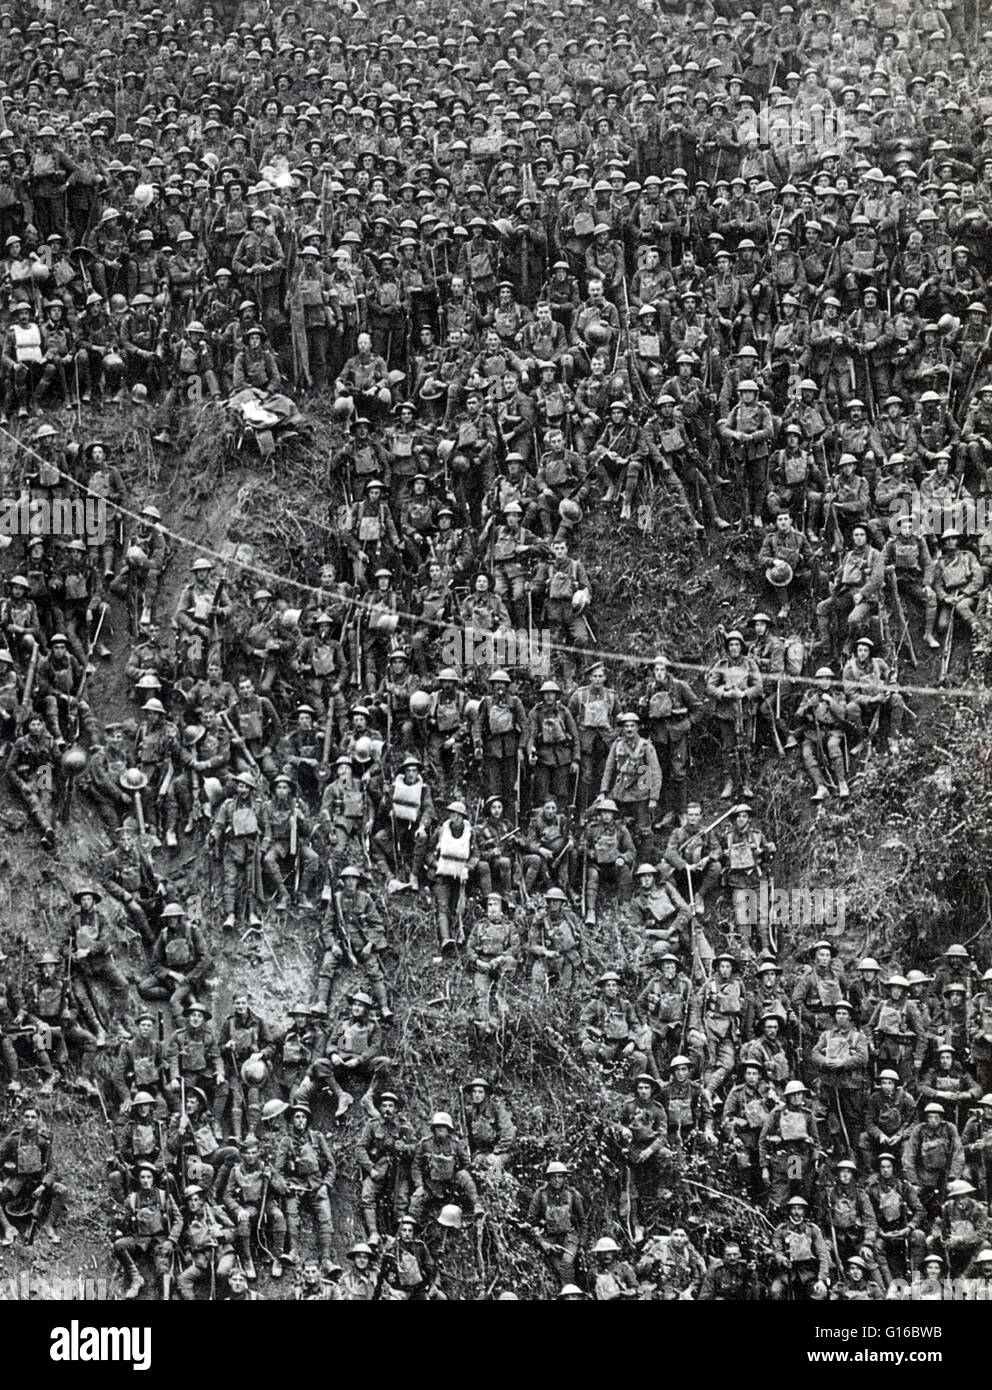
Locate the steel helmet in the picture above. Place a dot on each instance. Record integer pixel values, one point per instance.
(142, 1098)
(254, 1071)
(555, 1167)
(606, 1246)
(440, 1117)
(420, 703)
(450, 1216)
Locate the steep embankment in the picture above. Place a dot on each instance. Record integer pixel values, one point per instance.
(909, 850)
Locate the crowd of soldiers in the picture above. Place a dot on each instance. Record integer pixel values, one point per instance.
(708, 275)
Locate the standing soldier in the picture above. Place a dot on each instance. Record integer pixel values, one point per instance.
(669, 707)
(788, 1147)
(354, 930)
(735, 685)
(491, 953)
(306, 1166)
(383, 1153)
(151, 1224)
(554, 943)
(557, 1214)
(607, 850)
(594, 707)
(235, 839)
(498, 731)
(553, 747)
(632, 778)
(841, 1057)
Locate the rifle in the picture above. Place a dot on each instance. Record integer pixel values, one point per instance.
(104, 609)
(215, 636)
(225, 718)
(294, 847)
(24, 710)
(342, 930)
(901, 615)
(945, 656)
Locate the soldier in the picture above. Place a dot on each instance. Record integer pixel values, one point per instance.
(669, 708)
(306, 1166)
(287, 828)
(491, 954)
(246, 1046)
(899, 1031)
(207, 1242)
(552, 747)
(250, 1202)
(498, 733)
(235, 839)
(661, 916)
(355, 930)
(632, 777)
(857, 587)
(383, 1153)
(609, 1026)
(150, 1225)
(408, 1265)
(28, 1164)
(554, 943)
(440, 1171)
(889, 1116)
(557, 1214)
(788, 1147)
(180, 965)
(900, 1244)
(594, 707)
(866, 680)
(644, 1128)
(31, 772)
(457, 857)
(607, 850)
(841, 1057)
(354, 1048)
(193, 1058)
(735, 685)
(801, 1255)
(746, 1109)
(489, 1127)
(548, 848)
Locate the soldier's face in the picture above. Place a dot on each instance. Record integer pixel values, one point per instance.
(611, 990)
(145, 1028)
(477, 1095)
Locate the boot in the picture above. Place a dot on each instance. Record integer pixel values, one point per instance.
(843, 790)
(249, 1267)
(345, 1102)
(276, 1267)
(136, 1283)
(728, 789)
(821, 793)
(228, 923)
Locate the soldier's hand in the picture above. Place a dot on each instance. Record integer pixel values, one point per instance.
(38, 1192)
